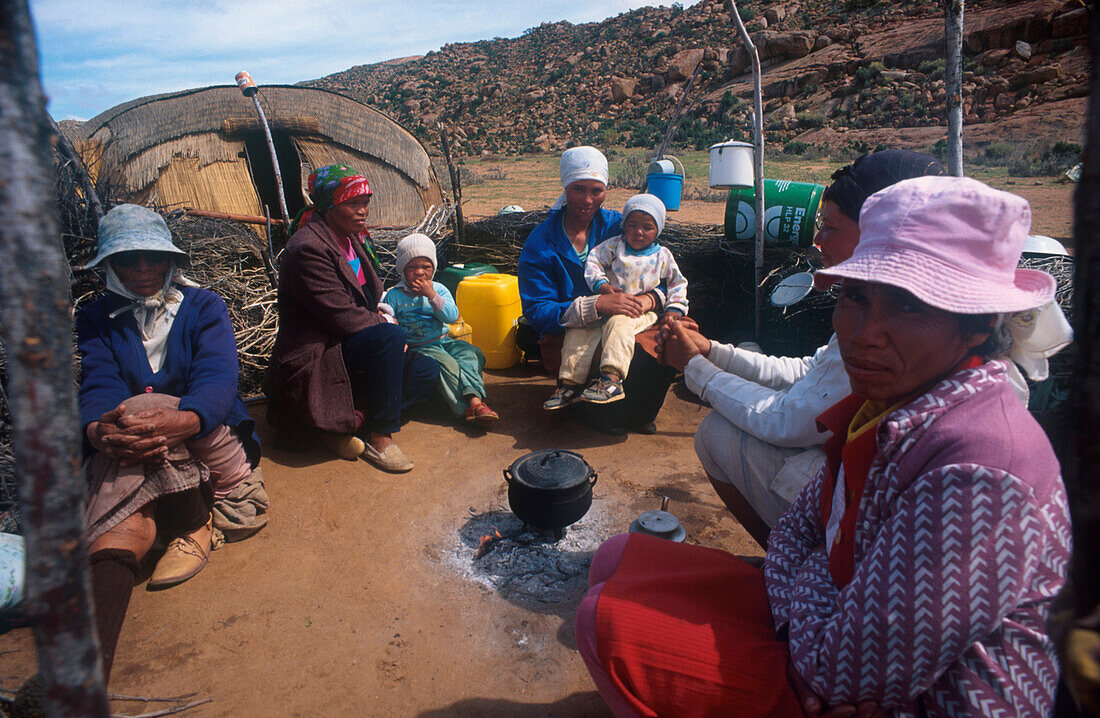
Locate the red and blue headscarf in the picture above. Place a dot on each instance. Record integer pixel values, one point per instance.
(328, 187)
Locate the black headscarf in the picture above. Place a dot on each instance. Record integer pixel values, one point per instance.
(868, 174)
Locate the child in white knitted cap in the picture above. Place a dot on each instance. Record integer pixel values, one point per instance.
(633, 263)
(424, 308)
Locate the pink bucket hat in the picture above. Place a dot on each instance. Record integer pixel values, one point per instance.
(952, 242)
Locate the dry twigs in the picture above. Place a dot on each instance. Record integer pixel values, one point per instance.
(165, 711)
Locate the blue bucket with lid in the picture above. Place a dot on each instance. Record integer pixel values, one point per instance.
(665, 182)
(667, 187)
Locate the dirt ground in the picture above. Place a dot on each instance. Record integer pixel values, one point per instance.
(531, 182)
(359, 597)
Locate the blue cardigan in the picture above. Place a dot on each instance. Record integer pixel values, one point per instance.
(551, 275)
(200, 365)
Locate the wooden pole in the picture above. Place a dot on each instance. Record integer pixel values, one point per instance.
(456, 185)
(954, 10)
(758, 167)
(249, 89)
(677, 115)
(69, 152)
(37, 332)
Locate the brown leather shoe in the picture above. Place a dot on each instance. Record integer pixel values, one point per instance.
(185, 556)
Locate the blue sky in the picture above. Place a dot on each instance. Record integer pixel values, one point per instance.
(97, 53)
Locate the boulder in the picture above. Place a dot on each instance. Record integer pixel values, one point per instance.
(893, 75)
(775, 15)
(1023, 49)
(682, 65)
(822, 42)
(1069, 24)
(993, 58)
(771, 44)
(623, 88)
(1036, 76)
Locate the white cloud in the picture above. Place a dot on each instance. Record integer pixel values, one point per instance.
(98, 53)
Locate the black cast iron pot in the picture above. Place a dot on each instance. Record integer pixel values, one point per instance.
(550, 489)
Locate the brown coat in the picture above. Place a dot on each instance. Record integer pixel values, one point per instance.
(320, 305)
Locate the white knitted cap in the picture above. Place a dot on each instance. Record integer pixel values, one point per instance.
(413, 246)
(651, 204)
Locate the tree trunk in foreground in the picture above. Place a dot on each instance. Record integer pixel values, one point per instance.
(953, 84)
(1082, 470)
(37, 332)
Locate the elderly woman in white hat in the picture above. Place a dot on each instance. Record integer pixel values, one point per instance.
(167, 434)
(556, 297)
(914, 574)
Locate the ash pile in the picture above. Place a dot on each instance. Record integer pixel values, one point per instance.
(526, 565)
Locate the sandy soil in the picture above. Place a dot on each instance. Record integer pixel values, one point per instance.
(359, 598)
(530, 181)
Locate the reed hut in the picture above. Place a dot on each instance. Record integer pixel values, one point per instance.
(205, 149)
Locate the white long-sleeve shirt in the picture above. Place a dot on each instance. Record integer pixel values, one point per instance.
(775, 399)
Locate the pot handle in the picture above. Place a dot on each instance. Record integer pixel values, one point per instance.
(508, 475)
(594, 477)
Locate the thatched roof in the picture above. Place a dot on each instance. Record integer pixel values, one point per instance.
(204, 149)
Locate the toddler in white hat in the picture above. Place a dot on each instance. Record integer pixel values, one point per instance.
(634, 263)
(424, 309)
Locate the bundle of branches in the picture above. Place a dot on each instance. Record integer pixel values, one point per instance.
(385, 240)
(719, 271)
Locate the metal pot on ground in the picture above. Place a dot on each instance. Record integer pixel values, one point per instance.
(550, 489)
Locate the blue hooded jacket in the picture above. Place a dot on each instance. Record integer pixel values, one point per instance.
(551, 275)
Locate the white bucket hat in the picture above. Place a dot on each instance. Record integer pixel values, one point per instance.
(128, 228)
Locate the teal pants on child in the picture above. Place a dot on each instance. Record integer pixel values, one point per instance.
(460, 364)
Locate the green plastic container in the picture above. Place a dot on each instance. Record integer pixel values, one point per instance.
(790, 213)
(450, 276)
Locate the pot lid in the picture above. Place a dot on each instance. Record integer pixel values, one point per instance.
(551, 469)
(793, 289)
(661, 524)
(730, 144)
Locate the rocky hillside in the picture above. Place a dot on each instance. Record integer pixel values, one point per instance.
(836, 72)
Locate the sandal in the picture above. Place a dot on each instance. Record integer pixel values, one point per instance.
(481, 415)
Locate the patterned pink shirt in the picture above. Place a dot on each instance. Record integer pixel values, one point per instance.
(962, 540)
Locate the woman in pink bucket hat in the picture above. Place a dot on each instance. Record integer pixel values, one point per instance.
(914, 574)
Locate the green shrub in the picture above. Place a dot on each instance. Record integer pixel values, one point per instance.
(810, 119)
(867, 75)
(1063, 147)
(996, 151)
(795, 147)
(631, 174)
(932, 67)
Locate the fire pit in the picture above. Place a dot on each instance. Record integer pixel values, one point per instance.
(527, 565)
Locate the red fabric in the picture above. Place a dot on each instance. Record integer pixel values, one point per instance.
(856, 457)
(686, 631)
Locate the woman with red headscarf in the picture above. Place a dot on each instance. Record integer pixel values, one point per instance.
(340, 365)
